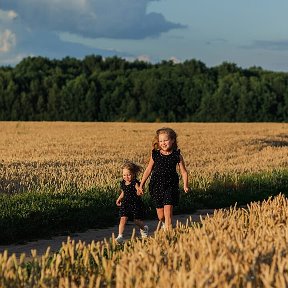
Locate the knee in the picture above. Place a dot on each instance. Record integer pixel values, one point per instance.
(123, 220)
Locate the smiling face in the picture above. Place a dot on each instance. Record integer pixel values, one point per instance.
(127, 176)
(165, 143)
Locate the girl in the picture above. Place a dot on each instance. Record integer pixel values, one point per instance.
(131, 205)
(164, 182)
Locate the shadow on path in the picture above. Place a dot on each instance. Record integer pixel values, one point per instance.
(55, 243)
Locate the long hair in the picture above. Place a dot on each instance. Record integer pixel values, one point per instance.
(132, 167)
(171, 134)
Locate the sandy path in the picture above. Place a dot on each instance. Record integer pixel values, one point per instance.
(55, 243)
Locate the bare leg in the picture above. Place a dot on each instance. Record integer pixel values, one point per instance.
(122, 224)
(160, 214)
(168, 213)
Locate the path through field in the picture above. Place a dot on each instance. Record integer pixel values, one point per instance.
(93, 234)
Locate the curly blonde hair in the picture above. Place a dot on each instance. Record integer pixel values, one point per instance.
(135, 169)
(171, 134)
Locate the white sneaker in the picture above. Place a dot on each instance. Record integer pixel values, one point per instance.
(119, 239)
(144, 232)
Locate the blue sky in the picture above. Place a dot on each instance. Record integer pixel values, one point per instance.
(247, 33)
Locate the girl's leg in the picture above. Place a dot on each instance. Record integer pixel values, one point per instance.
(168, 213)
(122, 224)
(160, 214)
(144, 229)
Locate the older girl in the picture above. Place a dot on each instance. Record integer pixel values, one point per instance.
(164, 182)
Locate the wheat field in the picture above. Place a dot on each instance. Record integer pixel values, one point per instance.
(56, 155)
(232, 248)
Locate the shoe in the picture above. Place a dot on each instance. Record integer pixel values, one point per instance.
(144, 232)
(119, 239)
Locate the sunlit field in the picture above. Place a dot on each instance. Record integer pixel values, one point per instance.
(58, 155)
(233, 248)
(236, 247)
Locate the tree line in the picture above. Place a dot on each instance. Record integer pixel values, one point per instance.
(114, 89)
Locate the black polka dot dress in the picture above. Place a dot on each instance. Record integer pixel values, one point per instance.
(132, 205)
(164, 182)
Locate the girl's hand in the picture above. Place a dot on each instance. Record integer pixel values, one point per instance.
(186, 189)
(118, 202)
(140, 191)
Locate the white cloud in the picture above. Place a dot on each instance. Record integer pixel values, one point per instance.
(6, 16)
(12, 14)
(144, 58)
(175, 60)
(7, 40)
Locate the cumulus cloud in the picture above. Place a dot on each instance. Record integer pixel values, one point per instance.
(7, 40)
(6, 16)
(121, 19)
(38, 25)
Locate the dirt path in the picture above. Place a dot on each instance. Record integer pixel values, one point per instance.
(93, 234)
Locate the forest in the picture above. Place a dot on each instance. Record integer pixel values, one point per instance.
(114, 89)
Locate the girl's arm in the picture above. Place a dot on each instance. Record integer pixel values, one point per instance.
(138, 192)
(146, 174)
(184, 174)
(119, 199)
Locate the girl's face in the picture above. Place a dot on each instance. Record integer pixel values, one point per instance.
(165, 143)
(127, 176)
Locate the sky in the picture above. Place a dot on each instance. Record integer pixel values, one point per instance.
(247, 32)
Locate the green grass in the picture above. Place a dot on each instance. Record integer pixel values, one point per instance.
(32, 215)
(228, 190)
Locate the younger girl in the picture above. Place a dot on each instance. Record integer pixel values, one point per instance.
(164, 182)
(131, 204)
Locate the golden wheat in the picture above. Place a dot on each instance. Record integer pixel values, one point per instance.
(36, 155)
(232, 248)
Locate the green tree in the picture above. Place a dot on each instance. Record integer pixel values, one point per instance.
(73, 99)
(92, 103)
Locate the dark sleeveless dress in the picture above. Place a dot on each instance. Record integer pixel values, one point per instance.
(164, 182)
(132, 205)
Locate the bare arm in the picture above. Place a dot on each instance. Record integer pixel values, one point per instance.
(146, 174)
(138, 192)
(184, 174)
(119, 199)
